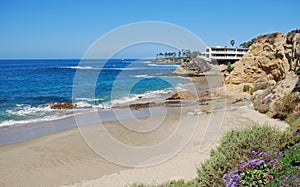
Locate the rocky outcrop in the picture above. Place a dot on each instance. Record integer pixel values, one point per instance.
(62, 106)
(268, 71)
(184, 95)
(197, 67)
(269, 100)
(140, 106)
(172, 60)
(269, 59)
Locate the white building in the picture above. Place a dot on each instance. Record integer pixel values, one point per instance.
(224, 54)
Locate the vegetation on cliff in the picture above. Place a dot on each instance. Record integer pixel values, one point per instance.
(248, 43)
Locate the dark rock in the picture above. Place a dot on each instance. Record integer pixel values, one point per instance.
(139, 106)
(63, 106)
(289, 38)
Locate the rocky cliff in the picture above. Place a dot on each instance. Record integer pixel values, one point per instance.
(267, 70)
(269, 59)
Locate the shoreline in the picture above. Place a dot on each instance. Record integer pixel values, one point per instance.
(25, 132)
(19, 132)
(67, 159)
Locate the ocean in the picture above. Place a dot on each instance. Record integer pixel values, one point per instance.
(26, 86)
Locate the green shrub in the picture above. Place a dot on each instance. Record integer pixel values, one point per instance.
(246, 88)
(173, 183)
(256, 177)
(229, 67)
(294, 122)
(179, 183)
(138, 185)
(236, 146)
(298, 71)
(286, 105)
(288, 174)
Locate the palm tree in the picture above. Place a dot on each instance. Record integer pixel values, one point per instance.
(159, 54)
(179, 54)
(166, 54)
(173, 54)
(232, 42)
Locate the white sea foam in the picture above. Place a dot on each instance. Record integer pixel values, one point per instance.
(38, 119)
(41, 119)
(155, 93)
(143, 76)
(124, 100)
(88, 99)
(147, 95)
(153, 65)
(8, 123)
(20, 105)
(44, 113)
(29, 110)
(79, 67)
(82, 104)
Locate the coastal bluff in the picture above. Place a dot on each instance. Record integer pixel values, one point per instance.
(269, 59)
(267, 72)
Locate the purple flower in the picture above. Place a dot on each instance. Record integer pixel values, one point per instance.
(253, 153)
(264, 154)
(225, 178)
(256, 163)
(240, 166)
(232, 179)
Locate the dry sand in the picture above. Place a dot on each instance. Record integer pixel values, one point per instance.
(64, 158)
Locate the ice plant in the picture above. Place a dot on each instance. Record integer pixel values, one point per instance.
(232, 179)
(255, 171)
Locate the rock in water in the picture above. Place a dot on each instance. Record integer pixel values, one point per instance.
(63, 106)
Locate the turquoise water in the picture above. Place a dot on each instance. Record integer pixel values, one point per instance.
(27, 85)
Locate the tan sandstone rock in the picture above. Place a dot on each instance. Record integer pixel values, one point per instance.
(185, 95)
(268, 60)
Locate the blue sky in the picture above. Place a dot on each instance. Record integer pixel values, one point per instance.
(65, 28)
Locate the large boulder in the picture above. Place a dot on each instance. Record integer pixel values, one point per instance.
(195, 67)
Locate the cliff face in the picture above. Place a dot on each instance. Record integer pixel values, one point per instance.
(268, 60)
(268, 68)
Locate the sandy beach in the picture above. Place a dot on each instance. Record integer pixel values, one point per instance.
(64, 158)
(149, 93)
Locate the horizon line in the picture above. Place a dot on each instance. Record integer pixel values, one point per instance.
(70, 58)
